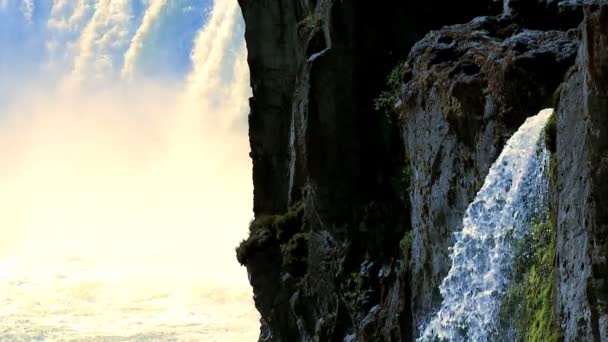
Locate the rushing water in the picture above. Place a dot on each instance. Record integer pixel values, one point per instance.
(514, 194)
(125, 181)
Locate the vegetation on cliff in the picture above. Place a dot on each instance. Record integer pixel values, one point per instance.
(282, 229)
(528, 305)
(551, 134)
(393, 174)
(387, 104)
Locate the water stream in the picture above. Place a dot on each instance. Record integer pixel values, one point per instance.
(513, 195)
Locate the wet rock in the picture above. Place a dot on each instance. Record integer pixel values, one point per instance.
(471, 87)
(339, 183)
(582, 148)
(316, 68)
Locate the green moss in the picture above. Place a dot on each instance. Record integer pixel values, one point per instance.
(551, 133)
(385, 109)
(385, 103)
(260, 234)
(402, 180)
(310, 21)
(557, 95)
(553, 171)
(355, 279)
(295, 254)
(268, 229)
(388, 98)
(406, 247)
(289, 223)
(528, 305)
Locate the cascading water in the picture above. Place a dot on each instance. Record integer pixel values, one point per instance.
(125, 181)
(514, 194)
(505, 7)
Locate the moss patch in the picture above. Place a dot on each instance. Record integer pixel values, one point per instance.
(553, 171)
(402, 181)
(551, 133)
(385, 104)
(389, 97)
(271, 229)
(528, 306)
(406, 247)
(310, 20)
(295, 254)
(557, 95)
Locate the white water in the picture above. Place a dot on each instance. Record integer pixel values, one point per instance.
(125, 181)
(514, 193)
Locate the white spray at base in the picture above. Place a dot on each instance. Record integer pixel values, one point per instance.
(513, 195)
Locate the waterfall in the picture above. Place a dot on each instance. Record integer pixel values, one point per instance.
(514, 194)
(126, 179)
(505, 7)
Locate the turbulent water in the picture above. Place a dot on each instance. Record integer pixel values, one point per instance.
(513, 195)
(125, 181)
(79, 299)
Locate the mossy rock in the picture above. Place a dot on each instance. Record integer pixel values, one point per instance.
(551, 133)
(295, 254)
(386, 102)
(260, 236)
(406, 247)
(527, 308)
(266, 230)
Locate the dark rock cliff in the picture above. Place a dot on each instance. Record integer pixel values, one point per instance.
(359, 185)
(582, 145)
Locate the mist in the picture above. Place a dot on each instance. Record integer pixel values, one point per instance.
(126, 169)
(124, 187)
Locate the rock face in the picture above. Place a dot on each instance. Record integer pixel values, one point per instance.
(323, 255)
(546, 14)
(582, 145)
(358, 191)
(471, 87)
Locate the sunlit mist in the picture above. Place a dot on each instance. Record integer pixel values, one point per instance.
(124, 192)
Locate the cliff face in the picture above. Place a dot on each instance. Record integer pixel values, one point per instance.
(359, 185)
(323, 255)
(471, 87)
(582, 145)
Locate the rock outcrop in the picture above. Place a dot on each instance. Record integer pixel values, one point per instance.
(359, 185)
(582, 145)
(471, 87)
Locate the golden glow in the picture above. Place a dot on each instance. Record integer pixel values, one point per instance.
(91, 172)
(122, 199)
(126, 201)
